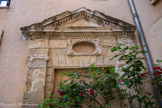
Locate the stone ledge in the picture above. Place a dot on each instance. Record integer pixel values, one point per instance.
(4, 7)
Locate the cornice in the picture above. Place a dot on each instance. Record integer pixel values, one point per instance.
(73, 35)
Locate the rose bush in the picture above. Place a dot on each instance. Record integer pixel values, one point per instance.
(96, 87)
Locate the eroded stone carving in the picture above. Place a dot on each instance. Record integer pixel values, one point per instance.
(125, 41)
(108, 42)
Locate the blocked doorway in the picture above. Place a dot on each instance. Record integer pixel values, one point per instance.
(59, 77)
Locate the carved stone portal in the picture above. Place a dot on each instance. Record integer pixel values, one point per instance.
(67, 41)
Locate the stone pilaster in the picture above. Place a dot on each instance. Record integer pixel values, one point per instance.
(35, 82)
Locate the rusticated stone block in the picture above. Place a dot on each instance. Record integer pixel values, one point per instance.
(49, 79)
(49, 86)
(50, 72)
(38, 63)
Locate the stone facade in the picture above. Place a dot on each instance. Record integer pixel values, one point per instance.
(58, 42)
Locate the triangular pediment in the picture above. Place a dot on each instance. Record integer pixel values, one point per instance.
(80, 20)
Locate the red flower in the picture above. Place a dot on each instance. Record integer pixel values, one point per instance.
(156, 68)
(143, 75)
(91, 92)
(103, 84)
(155, 74)
(148, 72)
(120, 81)
(81, 94)
(80, 72)
(160, 73)
(61, 93)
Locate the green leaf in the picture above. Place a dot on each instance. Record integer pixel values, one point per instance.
(111, 69)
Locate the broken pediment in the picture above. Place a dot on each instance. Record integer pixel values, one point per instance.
(79, 21)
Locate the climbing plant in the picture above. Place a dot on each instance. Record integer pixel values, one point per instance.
(134, 77)
(96, 87)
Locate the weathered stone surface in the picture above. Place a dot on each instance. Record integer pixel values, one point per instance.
(108, 42)
(50, 72)
(38, 52)
(55, 60)
(76, 61)
(93, 59)
(49, 86)
(58, 44)
(126, 41)
(69, 61)
(49, 63)
(106, 60)
(100, 60)
(37, 63)
(49, 79)
(62, 59)
(41, 43)
(84, 61)
(35, 98)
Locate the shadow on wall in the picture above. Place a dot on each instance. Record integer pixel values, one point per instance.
(1, 35)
